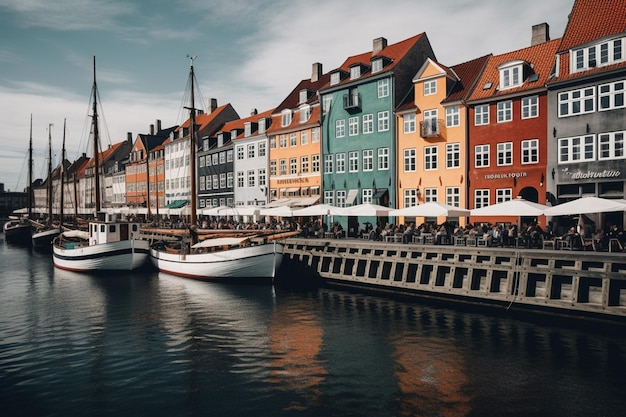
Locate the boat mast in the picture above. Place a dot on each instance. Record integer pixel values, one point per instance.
(193, 144)
(62, 177)
(50, 172)
(30, 170)
(96, 145)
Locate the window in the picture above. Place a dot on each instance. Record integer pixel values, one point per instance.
(328, 164)
(530, 107)
(222, 158)
(368, 160)
(251, 150)
(577, 149)
(251, 179)
(273, 168)
(282, 167)
(340, 128)
(505, 111)
(293, 166)
(262, 177)
(453, 155)
(611, 96)
(202, 183)
(503, 195)
(383, 121)
(353, 161)
(215, 158)
(431, 125)
(511, 77)
(530, 151)
(377, 65)
(326, 102)
(285, 118)
(353, 126)
(481, 115)
(430, 87)
(305, 113)
(368, 123)
(328, 197)
(575, 102)
(410, 197)
(611, 145)
(293, 139)
(229, 179)
(409, 123)
(223, 180)
(262, 150)
(410, 160)
(430, 194)
(366, 195)
(430, 158)
(605, 53)
(273, 142)
(315, 163)
(229, 155)
(453, 196)
(453, 116)
(481, 198)
(481, 156)
(283, 141)
(335, 78)
(340, 163)
(383, 159)
(315, 135)
(340, 196)
(240, 179)
(383, 88)
(216, 183)
(262, 125)
(504, 153)
(304, 137)
(355, 72)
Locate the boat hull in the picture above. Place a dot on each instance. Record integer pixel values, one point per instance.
(248, 262)
(125, 255)
(17, 232)
(43, 239)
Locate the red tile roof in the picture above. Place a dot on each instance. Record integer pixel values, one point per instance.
(467, 73)
(293, 99)
(541, 57)
(593, 19)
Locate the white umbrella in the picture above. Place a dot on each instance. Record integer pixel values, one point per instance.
(213, 211)
(239, 211)
(280, 211)
(320, 210)
(586, 205)
(367, 209)
(431, 209)
(518, 208)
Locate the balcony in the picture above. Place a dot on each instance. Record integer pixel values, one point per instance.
(431, 128)
(351, 102)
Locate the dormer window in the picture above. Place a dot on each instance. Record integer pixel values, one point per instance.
(247, 129)
(511, 74)
(262, 125)
(377, 65)
(304, 96)
(335, 78)
(605, 53)
(285, 118)
(355, 72)
(305, 113)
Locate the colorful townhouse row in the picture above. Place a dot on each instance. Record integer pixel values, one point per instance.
(394, 126)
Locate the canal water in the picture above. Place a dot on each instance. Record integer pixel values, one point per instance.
(149, 344)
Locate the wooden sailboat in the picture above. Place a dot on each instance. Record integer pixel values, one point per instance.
(246, 257)
(18, 229)
(43, 234)
(106, 245)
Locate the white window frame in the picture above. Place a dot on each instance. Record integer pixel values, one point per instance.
(340, 128)
(382, 87)
(481, 156)
(431, 158)
(530, 151)
(353, 126)
(511, 76)
(530, 107)
(368, 123)
(481, 198)
(329, 163)
(383, 159)
(481, 115)
(453, 116)
(410, 160)
(611, 95)
(503, 195)
(453, 155)
(505, 111)
(383, 121)
(340, 163)
(368, 160)
(285, 117)
(315, 163)
(577, 149)
(576, 102)
(431, 194)
(611, 145)
(504, 154)
(430, 87)
(408, 121)
(353, 161)
(410, 197)
(366, 195)
(453, 196)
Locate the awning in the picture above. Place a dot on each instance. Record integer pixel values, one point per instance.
(176, 204)
(292, 190)
(351, 196)
(304, 201)
(279, 202)
(379, 193)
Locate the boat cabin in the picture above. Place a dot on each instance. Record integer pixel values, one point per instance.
(103, 232)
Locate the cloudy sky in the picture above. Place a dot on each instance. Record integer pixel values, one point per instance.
(251, 53)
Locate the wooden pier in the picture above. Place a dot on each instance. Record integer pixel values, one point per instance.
(562, 282)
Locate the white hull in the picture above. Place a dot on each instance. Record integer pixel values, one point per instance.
(125, 255)
(256, 261)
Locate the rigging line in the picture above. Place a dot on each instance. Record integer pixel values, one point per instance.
(516, 273)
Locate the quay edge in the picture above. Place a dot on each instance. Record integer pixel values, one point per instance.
(562, 284)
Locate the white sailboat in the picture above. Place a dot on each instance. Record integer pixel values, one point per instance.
(107, 245)
(252, 257)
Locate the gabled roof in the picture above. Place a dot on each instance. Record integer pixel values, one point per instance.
(292, 101)
(152, 141)
(106, 154)
(295, 121)
(254, 118)
(539, 58)
(468, 74)
(394, 53)
(591, 20)
(204, 120)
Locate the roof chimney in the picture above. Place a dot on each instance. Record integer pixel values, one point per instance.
(541, 34)
(152, 130)
(317, 72)
(129, 137)
(379, 45)
(158, 125)
(212, 105)
(254, 112)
